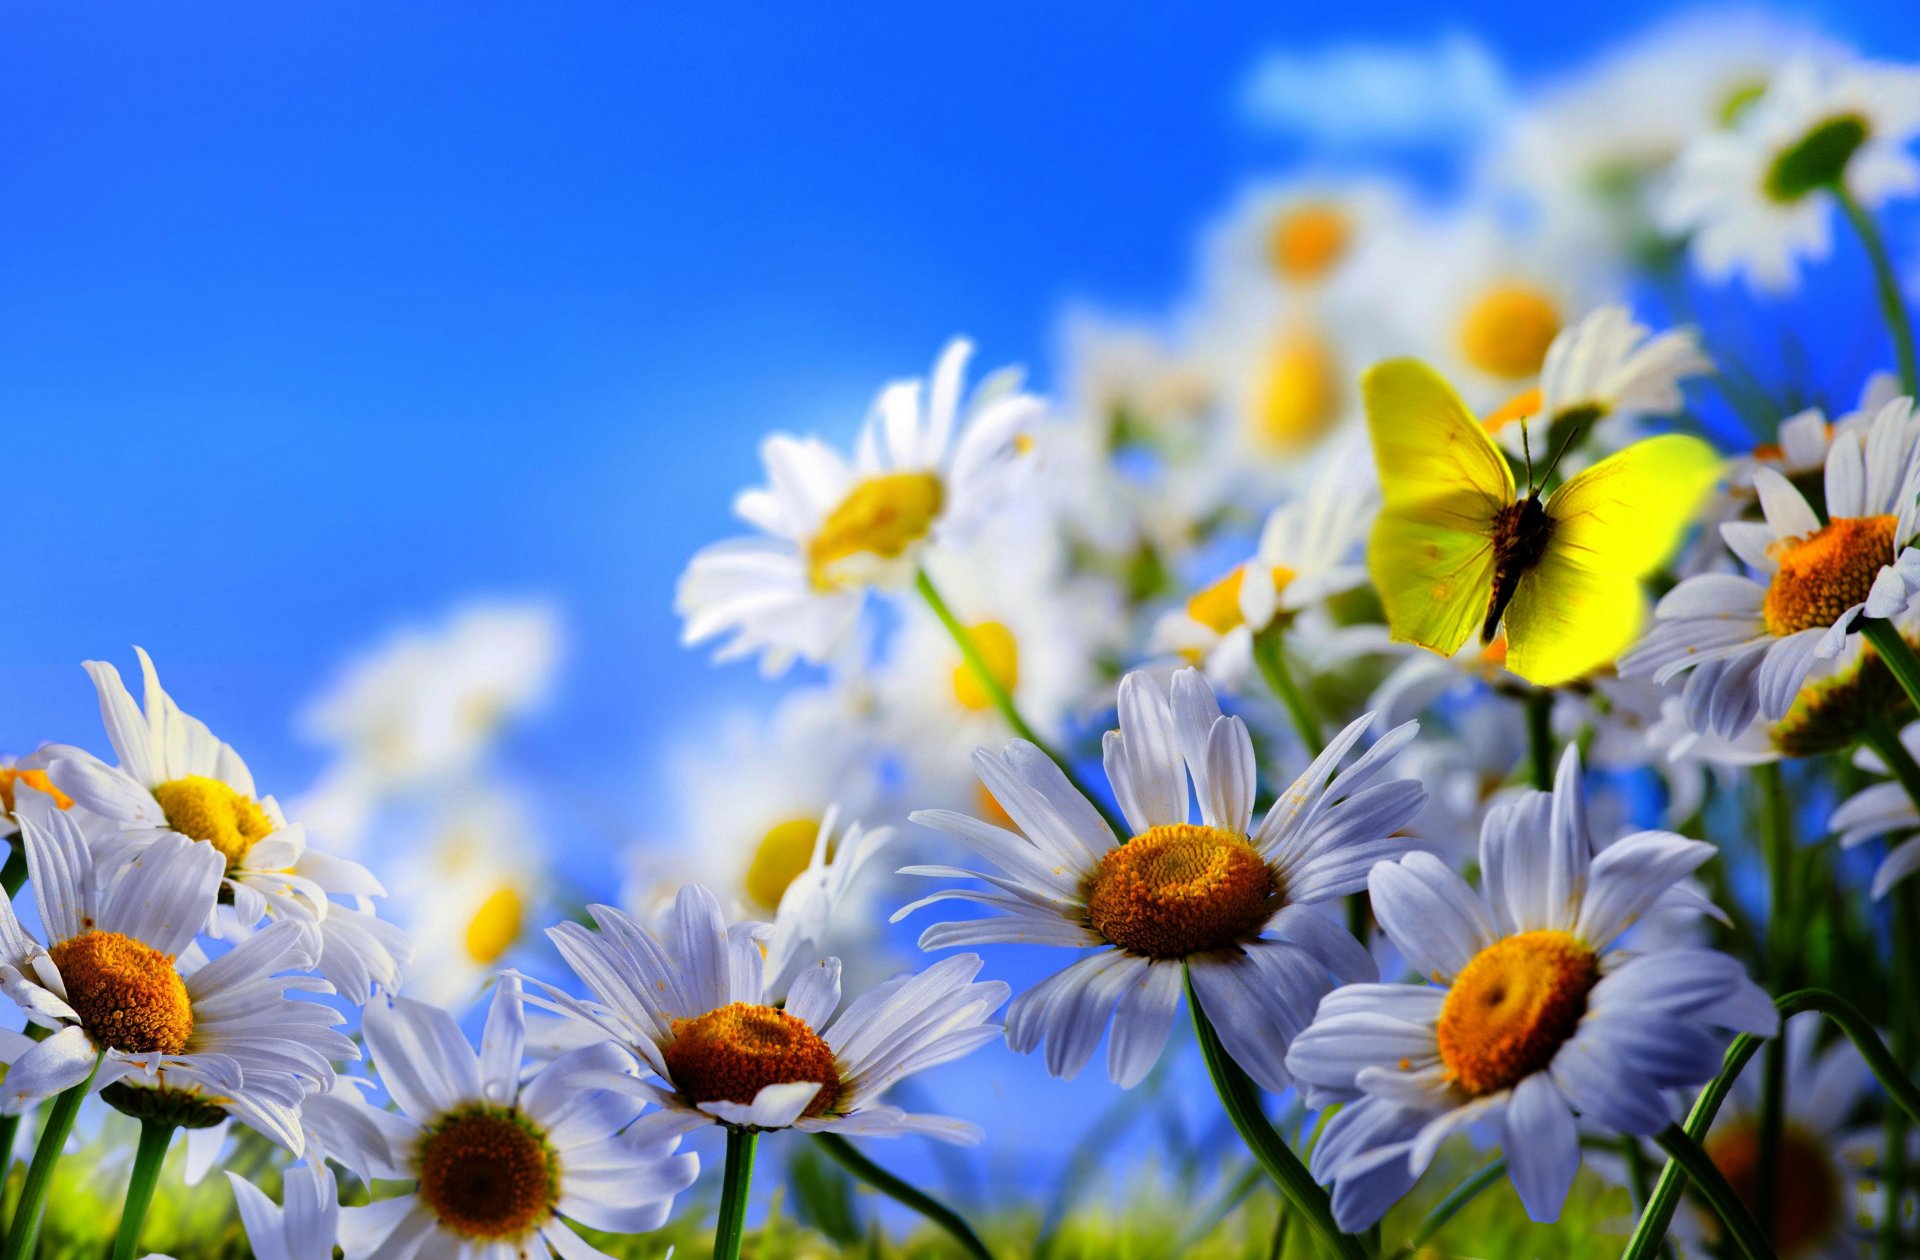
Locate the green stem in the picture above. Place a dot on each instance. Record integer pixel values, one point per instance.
(1882, 737)
(1540, 737)
(734, 1193)
(14, 873)
(1241, 1098)
(155, 1137)
(1270, 654)
(1776, 830)
(848, 1157)
(1712, 1184)
(1892, 647)
(998, 694)
(1457, 1199)
(1887, 279)
(24, 1233)
(1658, 1214)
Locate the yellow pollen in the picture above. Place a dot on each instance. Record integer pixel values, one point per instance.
(128, 994)
(1300, 397)
(1506, 331)
(1308, 241)
(1180, 890)
(1217, 607)
(731, 1054)
(35, 779)
(1522, 406)
(883, 517)
(1512, 1007)
(496, 925)
(1825, 573)
(1001, 655)
(1807, 1197)
(782, 854)
(207, 809)
(487, 1173)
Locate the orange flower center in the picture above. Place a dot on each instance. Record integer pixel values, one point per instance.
(1179, 890)
(487, 1173)
(1807, 1197)
(10, 779)
(128, 995)
(1000, 653)
(880, 518)
(1301, 394)
(1512, 1007)
(1507, 330)
(1826, 573)
(1308, 241)
(731, 1054)
(1217, 606)
(207, 809)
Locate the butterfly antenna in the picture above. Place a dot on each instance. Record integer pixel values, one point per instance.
(1573, 435)
(1526, 449)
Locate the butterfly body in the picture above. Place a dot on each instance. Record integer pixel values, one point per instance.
(1521, 532)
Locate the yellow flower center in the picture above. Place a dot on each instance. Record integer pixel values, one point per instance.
(128, 995)
(207, 809)
(496, 925)
(1825, 573)
(883, 517)
(488, 1174)
(782, 854)
(1217, 607)
(1830, 715)
(1000, 653)
(1522, 406)
(1300, 397)
(35, 779)
(731, 1054)
(1807, 1197)
(1179, 890)
(1506, 331)
(1512, 1007)
(1308, 241)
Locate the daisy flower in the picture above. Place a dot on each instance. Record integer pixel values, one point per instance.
(1883, 809)
(1748, 645)
(1756, 197)
(120, 982)
(692, 1007)
(1309, 550)
(925, 470)
(1238, 907)
(306, 1228)
(175, 777)
(1532, 1015)
(502, 1163)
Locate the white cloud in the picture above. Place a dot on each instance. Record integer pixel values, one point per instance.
(1363, 95)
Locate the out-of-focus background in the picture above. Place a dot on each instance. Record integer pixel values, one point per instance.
(436, 338)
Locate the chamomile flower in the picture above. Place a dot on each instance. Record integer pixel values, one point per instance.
(176, 777)
(1756, 198)
(1238, 907)
(1747, 645)
(926, 469)
(692, 1008)
(502, 1163)
(305, 1228)
(1309, 550)
(1884, 809)
(1533, 1015)
(120, 983)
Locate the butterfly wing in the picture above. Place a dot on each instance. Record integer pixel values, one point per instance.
(1613, 524)
(1442, 480)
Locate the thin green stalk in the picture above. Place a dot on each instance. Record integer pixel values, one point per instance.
(1540, 737)
(1241, 1098)
(1906, 945)
(155, 1137)
(1901, 1090)
(1457, 1199)
(734, 1193)
(1270, 654)
(14, 873)
(24, 1233)
(1776, 831)
(1894, 649)
(1722, 1197)
(848, 1157)
(1002, 700)
(1640, 1181)
(1887, 279)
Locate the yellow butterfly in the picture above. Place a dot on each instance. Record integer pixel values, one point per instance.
(1455, 548)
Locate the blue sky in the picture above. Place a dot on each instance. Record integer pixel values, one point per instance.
(314, 317)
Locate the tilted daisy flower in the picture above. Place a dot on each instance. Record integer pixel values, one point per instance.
(502, 1163)
(1756, 197)
(306, 1228)
(1746, 644)
(693, 1009)
(120, 981)
(1883, 809)
(1237, 906)
(1533, 1016)
(1309, 550)
(925, 469)
(176, 777)
(24, 778)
